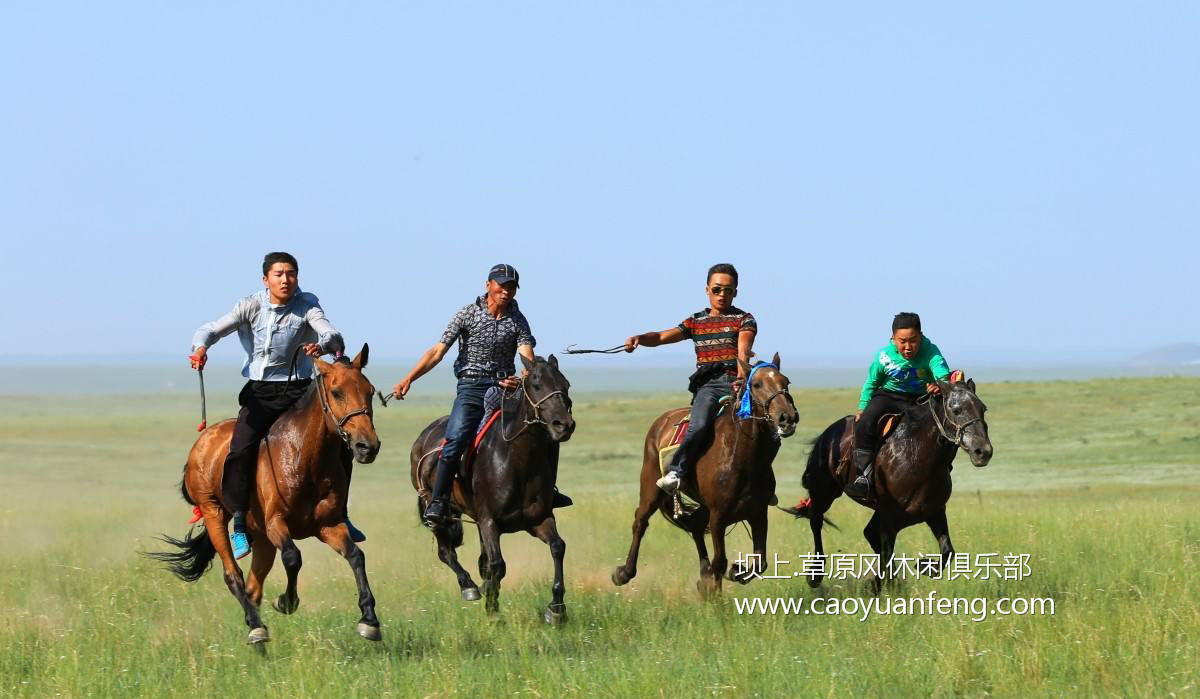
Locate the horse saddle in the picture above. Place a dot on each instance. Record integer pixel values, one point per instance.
(885, 426)
(667, 449)
(468, 457)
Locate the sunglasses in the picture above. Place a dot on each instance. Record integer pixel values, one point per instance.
(719, 290)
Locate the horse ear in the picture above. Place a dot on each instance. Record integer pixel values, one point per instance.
(946, 387)
(553, 361)
(775, 361)
(321, 365)
(528, 364)
(971, 385)
(361, 360)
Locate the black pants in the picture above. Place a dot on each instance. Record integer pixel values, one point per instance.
(262, 403)
(866, 430)
(705, 404)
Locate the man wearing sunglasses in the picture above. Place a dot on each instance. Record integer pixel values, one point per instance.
(722, 333)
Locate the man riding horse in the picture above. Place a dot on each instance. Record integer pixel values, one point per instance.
(906, 369)
(723, 334)
(273, 325)
(490, 331)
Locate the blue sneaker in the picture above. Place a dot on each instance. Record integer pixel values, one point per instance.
(241, 543)
(355, 534)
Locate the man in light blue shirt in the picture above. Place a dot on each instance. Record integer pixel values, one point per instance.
(273, 325)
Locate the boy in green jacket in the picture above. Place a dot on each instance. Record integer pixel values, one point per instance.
(903, 371)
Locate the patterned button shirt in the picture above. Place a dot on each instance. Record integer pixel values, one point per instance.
(716, 337)
(487, 345)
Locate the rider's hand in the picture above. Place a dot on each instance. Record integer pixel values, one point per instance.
(199, 358)
(312, 349)
(633, 343)
(857, 415)
(932, 388)
(510, 383)
(738, 383)
(401, 388)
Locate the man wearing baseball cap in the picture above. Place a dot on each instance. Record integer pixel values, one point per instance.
(490, 331)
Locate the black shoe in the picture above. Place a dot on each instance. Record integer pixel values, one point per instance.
(861, 487)
(435, 514)
(560, 500)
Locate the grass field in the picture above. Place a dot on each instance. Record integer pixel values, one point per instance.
(1098, 481)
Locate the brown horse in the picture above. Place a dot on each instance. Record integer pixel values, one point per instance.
(510, 485)
(733, 480)
(302, 481)
(911, 481)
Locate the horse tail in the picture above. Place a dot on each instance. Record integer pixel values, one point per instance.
(816, 468)
(183, 488)
(192, 560)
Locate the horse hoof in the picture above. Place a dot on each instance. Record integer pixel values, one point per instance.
(470, 594)
(815, 581)
(258, 635)
(283, 605)
(371, 633)
(553, 617)
(708, 588)
(620, 577)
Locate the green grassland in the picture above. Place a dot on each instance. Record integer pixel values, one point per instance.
(1097, 481)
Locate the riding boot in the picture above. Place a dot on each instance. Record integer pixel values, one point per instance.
(439, 502)
(861, 486)
(561, 500)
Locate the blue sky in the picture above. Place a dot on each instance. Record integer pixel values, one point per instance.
(1024, 176)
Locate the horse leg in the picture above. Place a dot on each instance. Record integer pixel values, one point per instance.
(758, 535)
(702, 551)
(489, 539)
(871, 532)
(941, 532)
(647, 503)
(281, 538)
(448, 555)
(338, 538)
(262, 558)
(816, 522)
(218, 534)
(711, 585)
(547, 531)
(887, 547)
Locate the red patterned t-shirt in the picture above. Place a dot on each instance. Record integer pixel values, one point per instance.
(716, 337)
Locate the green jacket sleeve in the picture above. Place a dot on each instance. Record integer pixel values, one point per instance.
(875, 377)
(937, 365)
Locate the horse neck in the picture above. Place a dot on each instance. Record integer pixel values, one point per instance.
(313, 432)
(926, 440)
(515, 411)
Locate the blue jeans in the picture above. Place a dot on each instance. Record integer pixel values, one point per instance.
(464, 421)
(705, 405)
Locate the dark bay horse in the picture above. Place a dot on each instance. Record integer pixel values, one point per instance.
(733, 481)
(510, 485)
(911, 481)
(302, 481)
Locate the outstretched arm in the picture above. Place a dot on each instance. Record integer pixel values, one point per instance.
(207, 335)
(665, 337)
(429, 360)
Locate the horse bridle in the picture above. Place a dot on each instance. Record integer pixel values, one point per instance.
(956, 440)
(537, 407)
(339, 423)
(766, 405)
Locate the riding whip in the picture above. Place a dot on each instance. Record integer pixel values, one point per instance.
(611, 350)
(203, 403)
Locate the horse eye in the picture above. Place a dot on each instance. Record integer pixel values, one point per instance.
(336, 393)
(758, 384)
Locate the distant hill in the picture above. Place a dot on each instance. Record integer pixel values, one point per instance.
(1182, 354)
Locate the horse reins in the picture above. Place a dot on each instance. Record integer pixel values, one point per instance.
(536, 405)
(958, 429)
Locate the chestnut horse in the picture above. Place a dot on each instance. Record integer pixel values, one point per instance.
(733, 480)
(911, 482)
(510, 485)
(302, 481)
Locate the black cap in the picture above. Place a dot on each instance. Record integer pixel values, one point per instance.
(502, 274)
